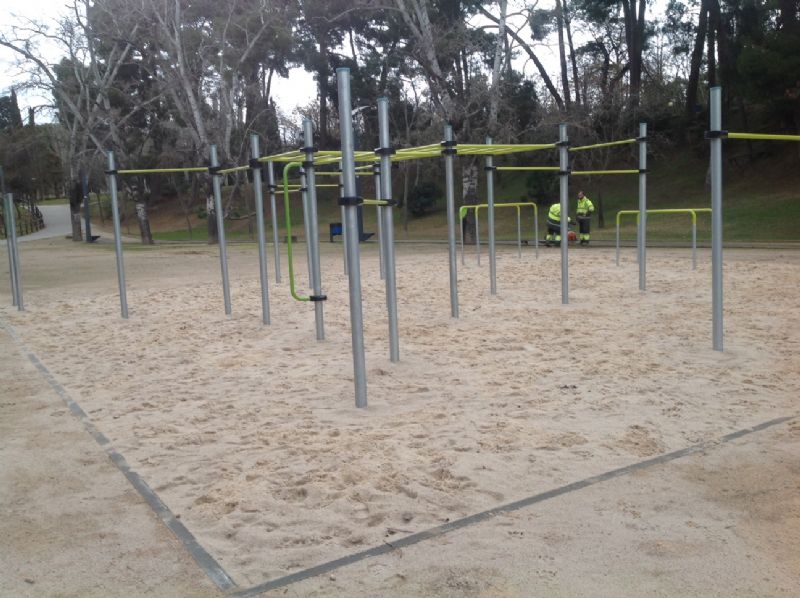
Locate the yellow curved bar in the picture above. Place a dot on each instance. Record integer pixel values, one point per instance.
(763, 136)
(598, 145)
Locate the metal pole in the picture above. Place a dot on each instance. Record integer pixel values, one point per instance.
(716, 217)
(617, 241)
(384, 141)
(461, 223)
(477, 238)
(694, 243)
(313, 228)
(11, 242)
(11, 264)
(216, 183)
(449, 153)
(87, 210)
(536, 229)
(351, 213)
(262, 236)
(306, 223)
(490, 200)
(519, 234)
(563, 160)
(276, 242)
(112, 185)
(376, 173)
(642, 206)
(344, 223)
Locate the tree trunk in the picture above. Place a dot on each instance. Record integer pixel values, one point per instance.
(562, 59)
(469, 196)
(75, 201)
(573, 59)
(144, 223)
(322, 83)
(696, 60)
(213, 237)
(711, 54)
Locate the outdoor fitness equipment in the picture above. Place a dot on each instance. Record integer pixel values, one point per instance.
(462, 213)
(715, 135)
(12, 247)
(691, 211)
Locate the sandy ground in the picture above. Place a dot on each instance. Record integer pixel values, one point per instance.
(250, 435)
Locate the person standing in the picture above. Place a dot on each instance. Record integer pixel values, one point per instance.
(585, 211)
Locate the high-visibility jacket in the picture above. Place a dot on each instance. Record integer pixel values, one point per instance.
(585, 207)
(555, 212)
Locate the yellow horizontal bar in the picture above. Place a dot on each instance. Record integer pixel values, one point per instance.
(536, 168)
(233, 169)
(462, 211)
(164, 170)
(763, 136)
(598, 145)
(375, 202)
(589, 172)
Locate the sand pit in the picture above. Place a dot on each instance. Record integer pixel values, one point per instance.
(249, 433)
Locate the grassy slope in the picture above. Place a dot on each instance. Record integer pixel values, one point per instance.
(761, 203)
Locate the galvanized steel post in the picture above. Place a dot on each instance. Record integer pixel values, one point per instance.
(13, 248)
(642, 236)
(344, 223)
(716, 216)
(384, 142)
(490, 200)
(313, 227)
(376, 177)
(306, 223)
(216, 183)
(273, 210)
(351, 221)
(255, 166)
(449, 153)
(112, 186)
(563, 160)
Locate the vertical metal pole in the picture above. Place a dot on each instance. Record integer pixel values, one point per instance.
(11, 264)
(344, 223)
(617, 259)
(353, 256)
(273, 210)
(384, 142)
(716, 217)
(449, 154)
(262, 235)
(306, 223)
(313, 227)
(87, 209)
(376, 174)
(694, 242)
(216, 183)
(112, 185)
(490, 200)
(11, 242)
(563, 160)
(461, 222)
(536, 229)
(519, 234)
(642, 206)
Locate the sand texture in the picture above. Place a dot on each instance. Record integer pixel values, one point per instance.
(250, 434)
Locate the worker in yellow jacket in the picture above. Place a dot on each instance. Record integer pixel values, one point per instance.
(554, 225)
(585, 211)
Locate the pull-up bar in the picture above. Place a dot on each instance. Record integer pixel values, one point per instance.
(164, 170)
(593, 172)
(462, 213)
(691, 211)
(763, 136)
(581, 148)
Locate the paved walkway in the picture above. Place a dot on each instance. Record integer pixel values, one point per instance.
(56, 224)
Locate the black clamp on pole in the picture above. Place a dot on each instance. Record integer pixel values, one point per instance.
(562, 143)
(308, 149)
(308, 164)
(641, 139)
(489, 168)
(716, 135)
(642, 171)
(272, 187)
(566, 172)
(449, 148)
(354, 200)
(255, 164)
(317, 297)
(214, 170)
(110, 172)
(385, 151)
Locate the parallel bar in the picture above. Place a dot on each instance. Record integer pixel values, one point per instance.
(563, 160)
(490, 201)
(451, 222)
(353, 250)
(763, 136)
(273, 209)
(384, 140)
(262, 236)
(599, 145)
(313, 227)
(287, 209)
(223, 248)
(112, 185)
(642, 207)
(594, 172)
(716, 219)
